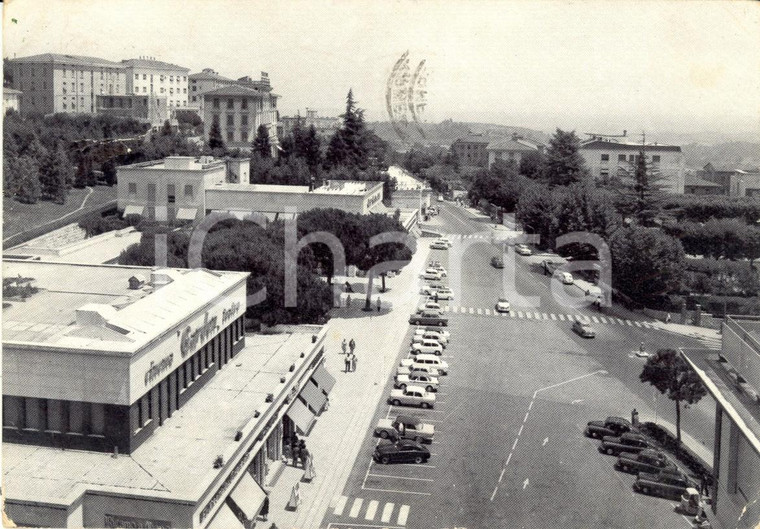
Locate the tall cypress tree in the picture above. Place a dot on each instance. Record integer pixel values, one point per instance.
(215, 140)
(312, 153)
(261, 142)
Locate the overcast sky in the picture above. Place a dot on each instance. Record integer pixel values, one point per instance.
(606, 66)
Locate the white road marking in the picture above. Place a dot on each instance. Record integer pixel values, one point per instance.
(519, 314)
(521, 429)
(526, 417)
(629, 323)
(387, 511)
(402, 477)
(403, 514)
(544, 315)
(472, 311)
(525, 483)
(493, 494)
(502, 473)
(554, 316)
(637, 324)
(546, 440)
(488, 312)
(371, 510)
(511, 314)
(480, 311)
(602, 319)
(340, 505)
(398, 491)
(356, 507)
(509, 458)
(537, 315)
(593, 318)
(576, 401)
(529, 315)
(446, 309)
(562, 317)
(514, 444)
(599, 372)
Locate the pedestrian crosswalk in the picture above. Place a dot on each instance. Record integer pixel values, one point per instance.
(458, 236)
(544, 316)
(370, 510)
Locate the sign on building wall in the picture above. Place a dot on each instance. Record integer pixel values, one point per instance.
(113, 520)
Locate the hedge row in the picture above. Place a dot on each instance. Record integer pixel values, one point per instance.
(703, 208)
(667, 441)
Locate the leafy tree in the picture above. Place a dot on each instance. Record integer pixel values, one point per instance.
(563, 164)
(166, 129)
(311, 150)
(56, 175)
(84, 176)
(646, 263)
(531, 163)
(673, 377)
(261, 144)
(109, 171)
(11, 181)
(641, 190)
(536, 213)
(27, 171)
(215, 140)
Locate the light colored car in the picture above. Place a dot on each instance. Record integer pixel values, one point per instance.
(430, 307)
(565, 277)
(437, 245)
(441, 332)
(429, 335)
(426, 347)
(584, 329)
(432, 304)
(523, 249)
(431, 288)
(407, 369)
(417, 378)
(440, 198)
(426, 360)
(439, 268)
(444, 293)
(431, 273)
(405, 427)
(412, 396)
(502, 305)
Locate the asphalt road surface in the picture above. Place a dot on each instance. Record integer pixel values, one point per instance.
(509, 449)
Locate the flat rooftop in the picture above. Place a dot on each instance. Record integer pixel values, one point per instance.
(178, 163)
(176, 461)
(133, 317)
(103, 248)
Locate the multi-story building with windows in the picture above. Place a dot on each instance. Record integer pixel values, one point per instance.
(133, 397)
(614, 157)
(148, 108)
(471, 150)
(202, 82)
(325, 126)
(148, 76)
(511, 150)
(240, 110)
(11, 100)
(53, 82)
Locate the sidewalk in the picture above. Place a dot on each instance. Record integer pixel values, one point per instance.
(337, 436)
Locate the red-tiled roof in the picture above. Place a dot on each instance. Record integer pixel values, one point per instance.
(82, 60)
(205, 76)
(621, 146)
(149, 63)
(475, 138)
(692, 180)
(511, 145)
(235, 90)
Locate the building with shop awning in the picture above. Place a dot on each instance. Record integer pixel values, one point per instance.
(199, 415)
(323, 380)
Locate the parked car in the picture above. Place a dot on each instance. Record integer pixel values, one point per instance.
(502, 305)
(565, 277)
(422, 360)
(444, 240)
(435, 265)
(412, 396)
(440, 198)
(431, 309)
(430, 336)
(403, 451)
(664, 484)
(443, 332)
(405, 427)
(443, 293)
(584, 329)
(627, 442)
(406, 369)
(523, 249)
(427, 347)
(497, 262)
(431, 288)
(417, 378)
(431, 274)
(427, 317)
(438, 245)
(648, 460)
(609, 426)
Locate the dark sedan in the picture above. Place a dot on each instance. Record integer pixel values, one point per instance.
(628, 442)
(609, 426)
(403, 451)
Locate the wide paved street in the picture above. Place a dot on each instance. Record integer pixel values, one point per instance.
(509, 448)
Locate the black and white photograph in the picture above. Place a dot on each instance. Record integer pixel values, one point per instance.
(352, 264)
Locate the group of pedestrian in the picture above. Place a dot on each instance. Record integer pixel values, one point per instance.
(299, 452)
(350, 360)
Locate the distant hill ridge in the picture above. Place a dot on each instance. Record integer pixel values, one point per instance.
(445, 132)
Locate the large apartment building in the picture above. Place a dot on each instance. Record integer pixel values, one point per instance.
(54, 82)
(148, 76)
(240, 110)
(611, 157)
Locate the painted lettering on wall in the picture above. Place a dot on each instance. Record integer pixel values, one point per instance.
(230, 313)
(112, 520)
(191, 338)
(156, 369)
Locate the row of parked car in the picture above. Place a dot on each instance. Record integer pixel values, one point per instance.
(418, 377)
(656, 473)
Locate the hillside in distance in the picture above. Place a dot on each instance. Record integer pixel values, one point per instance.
(738, 154)
(445, 132)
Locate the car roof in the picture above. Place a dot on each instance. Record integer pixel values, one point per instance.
(652, 453)
(415, 388)
(617, 419)
(633, 435)
(503, 299)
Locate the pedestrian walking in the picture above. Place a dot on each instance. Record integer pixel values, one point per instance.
(348, 302)
(667, 318)
(264, 512)
(352, 345)
(641, 347)
(378, 303)
(305, 455)
(344, 345)
(704, 485)
(635, 417)
(353, 362)
(347, 362)
(296, 455)
(435, 296)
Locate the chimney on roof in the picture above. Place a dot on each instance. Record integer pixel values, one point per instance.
(625, 132)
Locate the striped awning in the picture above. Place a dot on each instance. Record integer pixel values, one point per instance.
(133, 210)
(187, 213)
(314, 398)
(302, 417)
(324, 380)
